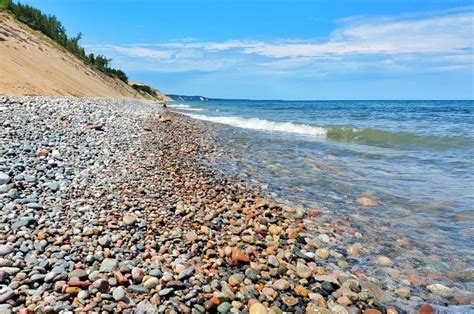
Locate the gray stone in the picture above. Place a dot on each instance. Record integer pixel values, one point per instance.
(146, 307)
(156, 273)
(79, 273)
(137, 289)
(441, 290)
(34, 206)
(108, 265)
(185, 274)
(6, 293)
(165, 292)
(119, 294)
(83, 295)
(53, 186)
(23, 222)
(273, 261)
(4, 178)
(224, 307)
(5, 249)
(10, 270)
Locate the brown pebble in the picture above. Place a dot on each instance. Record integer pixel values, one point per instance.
(426, 309)
(239, 256)
(301, 291)
(372, 311)
(72, 290)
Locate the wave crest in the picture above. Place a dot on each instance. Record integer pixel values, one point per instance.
(265, 125)
(363, 136)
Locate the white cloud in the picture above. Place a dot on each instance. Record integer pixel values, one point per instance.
(429, 42)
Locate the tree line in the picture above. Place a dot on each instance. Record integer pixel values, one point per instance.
(51, 27)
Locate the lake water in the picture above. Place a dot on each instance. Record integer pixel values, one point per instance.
(414, 160)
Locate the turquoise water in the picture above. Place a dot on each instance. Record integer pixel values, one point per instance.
(414, 158)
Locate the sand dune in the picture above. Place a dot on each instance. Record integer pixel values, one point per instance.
(32, 64)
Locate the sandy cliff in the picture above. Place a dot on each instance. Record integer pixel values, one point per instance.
(32, 64)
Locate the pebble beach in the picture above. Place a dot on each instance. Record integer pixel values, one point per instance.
(119, 206)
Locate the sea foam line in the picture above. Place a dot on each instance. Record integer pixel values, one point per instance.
(265, 125)
(184, 107)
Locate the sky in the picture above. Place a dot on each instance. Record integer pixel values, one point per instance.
(285, 49)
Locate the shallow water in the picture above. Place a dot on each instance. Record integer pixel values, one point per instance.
(414, 158)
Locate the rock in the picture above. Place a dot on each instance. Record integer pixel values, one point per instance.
(151, 283)
(72, 290)
(227, 291)
(4, 178)
(344, 300)
(53, 186)
(104, 241)
(301, 291)
(10, 270)
(155, 273)
(96, 126)
(56, 154)
(42, 153)
(281, 284)
(426, 309)
(324, 237)
(6, 293)
(274, 230)
(372, 311)
(353, 250)
(191, 236)
(138, 289)
(224, 307)
(270, 293)
(108, 265)
(441, 290)
(137, 274)
(239, 256)
(289, 301)
(23, 222)
(79, 273)
(384, 261)
(234, 280)
(186, 273)
(257, 308)
(322, 253)
(336, 308)
(129, 220)
(5, 249)
(273, 261)
(251, 274)
(119, 294)
(367, 201)
(403, 292)
(83, 295)
(146, 307)
(102, 285)
(165, 292)
(303, 271)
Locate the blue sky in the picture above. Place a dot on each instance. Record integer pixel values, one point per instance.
(338, 49)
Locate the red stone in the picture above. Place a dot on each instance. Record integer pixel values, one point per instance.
(78, 283)
(372, 311)
(426, 309)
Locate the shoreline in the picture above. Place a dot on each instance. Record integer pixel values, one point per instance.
(115, 205)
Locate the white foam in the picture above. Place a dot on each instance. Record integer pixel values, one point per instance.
(184, 107)
(265, 125)
(179, 106)
(192, 109)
